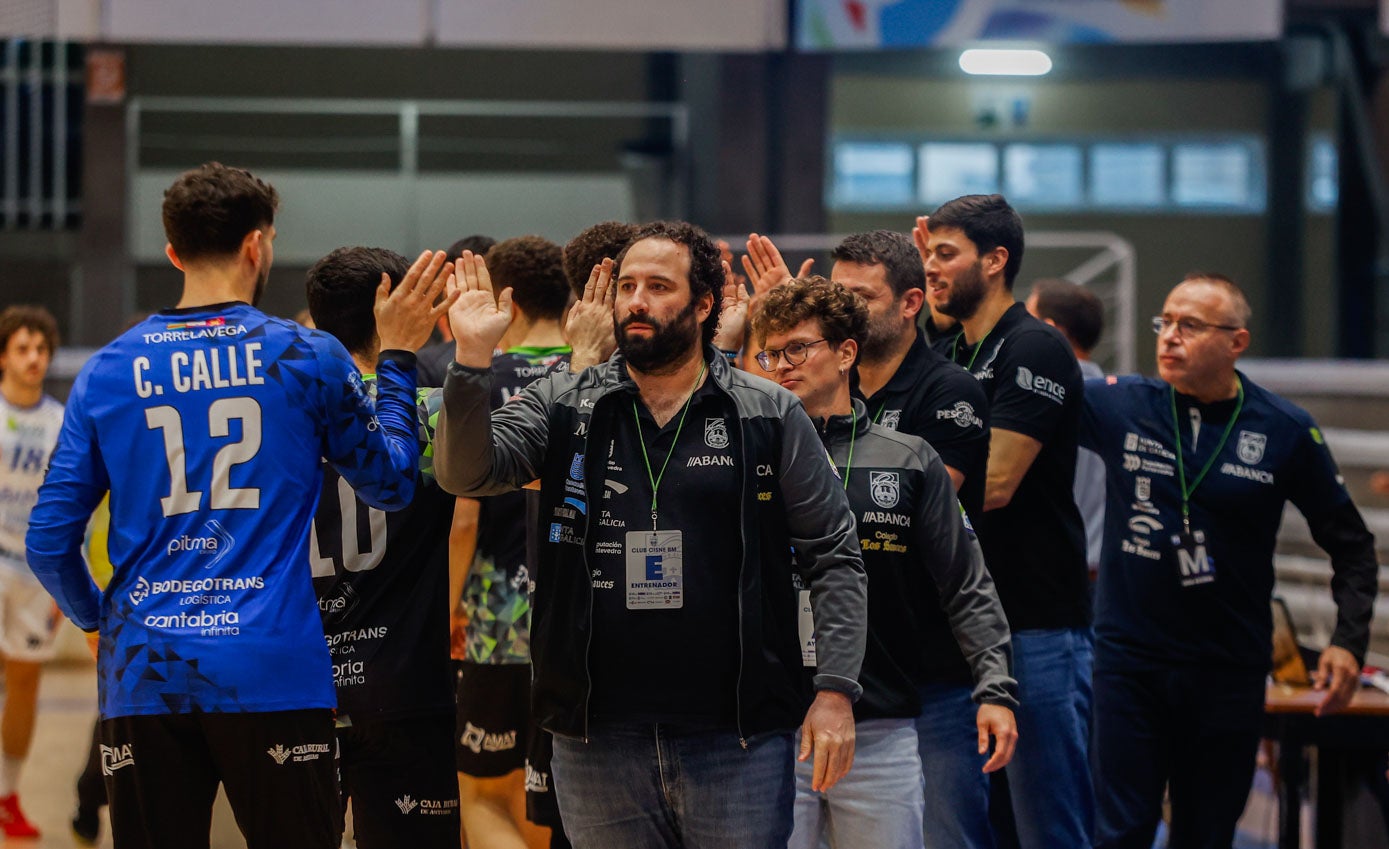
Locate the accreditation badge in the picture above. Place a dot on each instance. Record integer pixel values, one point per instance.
(655, 570)
(1194, 565)
(805, 623)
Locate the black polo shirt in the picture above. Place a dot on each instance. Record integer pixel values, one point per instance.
(1035, 546)
(669, 665)
(934, 399)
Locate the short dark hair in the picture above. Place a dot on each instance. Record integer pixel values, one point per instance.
(601, 241)
(1222, 281)
(477, 243)
(341, 289)
(706, 263)
(989, 222)
(534, 269)
(841, 313)
(29, 317)
(894, 251)
(209, 210)
(1076, 310)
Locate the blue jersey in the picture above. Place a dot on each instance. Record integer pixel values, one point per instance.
(207, 425)
(1154, 606)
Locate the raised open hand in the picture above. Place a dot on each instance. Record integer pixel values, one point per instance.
(589, 328)
(477, 318)
(406, 315)
(765, 267)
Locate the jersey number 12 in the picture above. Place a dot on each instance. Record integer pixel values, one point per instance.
(180, 499)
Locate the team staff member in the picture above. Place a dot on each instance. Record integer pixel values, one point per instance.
(212, 663)
(664, 629)
(1031, 532)
(1201, 463)
(910, 388)
(28, 620)
(917, 550)
(382, 585)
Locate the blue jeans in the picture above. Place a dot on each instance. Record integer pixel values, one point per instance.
(642, 785)
(957, 791)
(877, 804)
(1053, 802)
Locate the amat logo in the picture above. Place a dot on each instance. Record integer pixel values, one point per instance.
(115, 757)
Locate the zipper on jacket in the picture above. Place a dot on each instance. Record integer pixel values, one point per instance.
(588, 573)
(742, 566)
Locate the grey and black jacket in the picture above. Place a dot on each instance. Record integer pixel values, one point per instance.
(791, 501)
(916, 538)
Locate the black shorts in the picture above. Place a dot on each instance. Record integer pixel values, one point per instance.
(278, 770)
(400, 778)
(493, 718)
(541, 807)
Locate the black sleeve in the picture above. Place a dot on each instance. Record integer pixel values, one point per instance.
(1032, 377)
(1317, 490)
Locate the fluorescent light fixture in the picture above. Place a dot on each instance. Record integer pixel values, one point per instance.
(1007, 63)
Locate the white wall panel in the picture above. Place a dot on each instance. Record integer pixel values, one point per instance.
(268, 21)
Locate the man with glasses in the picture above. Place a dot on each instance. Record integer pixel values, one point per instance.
(1030, 529)
(911, 388)
(1200, 465)
(920, 555)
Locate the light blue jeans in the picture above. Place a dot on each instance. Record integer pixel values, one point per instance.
(957, 790)
(645, 786)
(1049, 778)
(877, 804)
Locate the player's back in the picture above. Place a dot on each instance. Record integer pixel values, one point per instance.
(210, 423)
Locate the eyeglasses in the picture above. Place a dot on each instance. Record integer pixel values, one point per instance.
(795, 354)
(1187, 326)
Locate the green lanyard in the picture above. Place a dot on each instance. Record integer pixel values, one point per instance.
(656, 478)
(955, 349)
(1181, 463)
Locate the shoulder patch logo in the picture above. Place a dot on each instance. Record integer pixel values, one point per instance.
(716, 433)
(1251, 446)
(885, 488)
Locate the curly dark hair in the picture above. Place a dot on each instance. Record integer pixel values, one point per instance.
(706, 263)
(841, 313)
(534, 269)
(29, 317)
(209, 210)
(894, 251)
(989, 222)
(341, 289)
(603, 240)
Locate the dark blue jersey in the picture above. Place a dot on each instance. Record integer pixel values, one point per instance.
(382, 584)
(207, 425)
(1212, 607)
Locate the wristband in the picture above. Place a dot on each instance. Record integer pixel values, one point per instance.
(731, 356)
